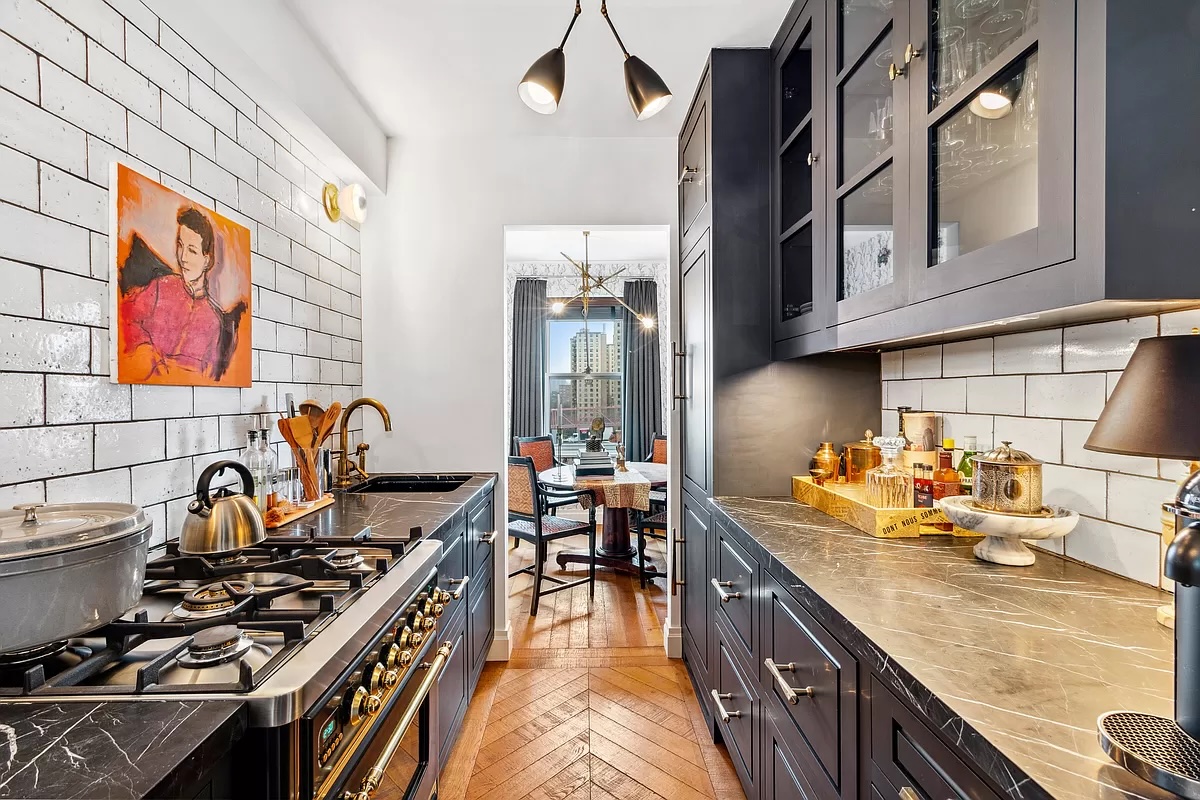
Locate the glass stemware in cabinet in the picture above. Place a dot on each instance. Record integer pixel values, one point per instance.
(867, 115)
(860, 22)
(969, 35)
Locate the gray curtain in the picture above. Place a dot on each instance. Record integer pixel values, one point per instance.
(643, 406)
(529, 357)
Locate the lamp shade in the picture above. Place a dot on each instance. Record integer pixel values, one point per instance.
(648, 93)
(1152, 411)
(542, 87)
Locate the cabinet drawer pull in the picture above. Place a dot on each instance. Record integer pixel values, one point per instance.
(725, 596)
(678, 358)
(461, 583)
(677, 571)
(721, 712)
(686, 175)
(790, 693)
(488, 538)
(894, 72)
(909, 793)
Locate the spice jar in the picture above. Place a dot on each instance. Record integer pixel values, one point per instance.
(860, 457)
(1008, 481)
(827, 459)
(890, 485)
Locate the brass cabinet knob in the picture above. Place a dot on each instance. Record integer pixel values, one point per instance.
(894, 72)
(813, 158)
(911, 52)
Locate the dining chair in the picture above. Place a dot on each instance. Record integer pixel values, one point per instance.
(658, 455)
(527, 521)
(652, 526)
(541, 450)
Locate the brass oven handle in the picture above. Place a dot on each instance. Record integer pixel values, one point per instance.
(686, 175)
(677, 578)
(725, 596)
(375, 776)
(790, 693)
(721, 712)
(488, 538)
(461, 583)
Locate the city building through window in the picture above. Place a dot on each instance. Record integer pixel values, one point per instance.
(585, 371)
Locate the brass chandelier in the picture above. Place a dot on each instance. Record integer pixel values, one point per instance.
(590, 283)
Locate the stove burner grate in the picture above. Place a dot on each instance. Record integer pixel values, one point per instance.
(21, 659)
(1154, 748)
(211, 600)
(344, 558)
(213, 646)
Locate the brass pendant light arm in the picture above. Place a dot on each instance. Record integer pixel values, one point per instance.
(622, 302)
(613, 28)
(574, 17)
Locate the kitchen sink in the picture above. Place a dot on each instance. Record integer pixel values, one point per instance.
(409, 484)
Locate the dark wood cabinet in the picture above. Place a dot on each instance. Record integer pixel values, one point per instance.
(453, 685)
(694, 375)
(693, 546)
(736, 705)
(978, 163)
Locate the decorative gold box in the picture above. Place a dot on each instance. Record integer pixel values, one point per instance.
(848, 502)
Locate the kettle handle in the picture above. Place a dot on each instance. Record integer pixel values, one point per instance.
(213, 470)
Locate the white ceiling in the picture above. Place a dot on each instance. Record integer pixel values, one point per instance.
(451, 67)
(604, 244)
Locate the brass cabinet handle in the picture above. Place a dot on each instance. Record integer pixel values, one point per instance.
(813, 158)
(911, 52)
(461, 583)
(686, 175)
(721, 712)
(678, 357)
(790, 693)
(894, 72)
(375, 776)
(677, 579)
(488, 537)
(909, 793)
(725, 596)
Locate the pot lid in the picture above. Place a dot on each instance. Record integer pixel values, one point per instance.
(36, 529)
(1007, 455)
(865, 443)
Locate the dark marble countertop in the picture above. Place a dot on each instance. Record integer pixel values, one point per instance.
(1013, 664)
(111, 750)
(387, 514)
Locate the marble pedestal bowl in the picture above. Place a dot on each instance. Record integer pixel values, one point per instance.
(1003, 532)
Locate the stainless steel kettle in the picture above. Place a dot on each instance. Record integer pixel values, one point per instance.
(222, 521)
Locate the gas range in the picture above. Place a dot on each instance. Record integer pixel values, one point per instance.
(323, 637)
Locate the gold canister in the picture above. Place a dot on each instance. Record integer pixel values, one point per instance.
(1008, 481)
(827, 459)
(860, 457)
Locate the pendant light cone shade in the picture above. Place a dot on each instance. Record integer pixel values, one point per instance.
(648, 93)
(542, 87)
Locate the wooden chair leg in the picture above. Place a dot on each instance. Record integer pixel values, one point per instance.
(538, 564)
(641, 553)
(591, 563)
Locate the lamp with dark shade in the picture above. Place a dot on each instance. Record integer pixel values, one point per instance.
(1152, 412)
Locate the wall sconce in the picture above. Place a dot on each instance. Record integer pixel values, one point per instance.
(350, 202)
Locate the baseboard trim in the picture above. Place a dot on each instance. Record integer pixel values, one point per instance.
(501, 649)
(673, 640)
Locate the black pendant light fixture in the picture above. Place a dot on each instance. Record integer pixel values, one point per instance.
(648, 93)
(542, 87)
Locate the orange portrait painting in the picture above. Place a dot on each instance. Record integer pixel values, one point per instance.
(180, 288)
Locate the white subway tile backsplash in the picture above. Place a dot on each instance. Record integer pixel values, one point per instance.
(66, 96)
(1041, 438)
(1075, 434)
(317, 240)
(157, 483)
(30, 345)
(275, 246)
(255, 139)
(1071, 396)
(211, 106)
(320, 345)
(292, 340)
(22, 293)
(1116, 548)
(996, 395)
(937, 394)
(191, 437)
(32, 23)
(1180, 322)
(255, 204)
(22, 399)
(923, 362)
(183, 52)
(274, 367)
(85, 398)
(158, 149)
(34, 492)
(110, 486)
(306, 261)
(31, 130)
(236, 158)
(72, 298)
(19, 179)
(122, 444)
(186, 126)
(100, 359)
(1104, 345)
(240, 100)
(73, 199)
(1025, 353)
(289, 224)
(306, 369)
(274, 306)
(306, 315)
(101, 155)
(38, 239)
(214, 180)
(157, 514)
(330, 371)
(274, 185)
(273, 128)
(45, 452)
(1082, 490)
(157, 402)
(289, 167)
(123, 83)
(18, 72)
(967, 358)
(1137, 501)
(215, 400)
(155, 63)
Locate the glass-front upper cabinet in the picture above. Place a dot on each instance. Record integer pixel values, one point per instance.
(868, 177)
(798, 208)
(993, 120)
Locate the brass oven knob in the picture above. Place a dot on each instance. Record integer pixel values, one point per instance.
(416, 638)
(389, 658)
(373, 703)
(425, 603)
(438, 609)
(428, 622)
(358, 705)
(374, 678)
(444, 597)
(391, 678)
(405, 658)
(403, 637)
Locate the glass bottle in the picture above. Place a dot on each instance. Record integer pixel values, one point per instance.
(890, 485)
(270, 468)
(252, 457)
(946, 481)
(966, 468)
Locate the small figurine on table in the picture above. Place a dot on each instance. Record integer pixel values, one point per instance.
(621, 459)
(594, 445)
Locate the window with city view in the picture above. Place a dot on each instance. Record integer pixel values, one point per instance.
(585, 372)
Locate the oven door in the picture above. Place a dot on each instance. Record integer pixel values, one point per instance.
(399, 761)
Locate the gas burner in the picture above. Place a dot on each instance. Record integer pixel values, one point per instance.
(226, 559)
(344, 558)
(20, 659)
(211, 600)
(214, 646)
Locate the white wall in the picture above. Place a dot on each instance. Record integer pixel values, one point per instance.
(433, 292)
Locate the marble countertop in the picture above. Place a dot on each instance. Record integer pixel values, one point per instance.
(1014, 664)
(111, 750)
(390, 515)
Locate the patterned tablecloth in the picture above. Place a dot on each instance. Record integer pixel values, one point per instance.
(623, 490)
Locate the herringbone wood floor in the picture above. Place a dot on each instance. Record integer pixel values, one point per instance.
(589, 708)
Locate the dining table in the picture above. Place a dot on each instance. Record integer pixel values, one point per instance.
(621, 494)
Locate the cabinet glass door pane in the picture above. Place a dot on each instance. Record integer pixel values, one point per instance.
(860, 22)
(968, 35)
(797, 285)
(797, 85)
(867, 114)
(796, 180)
(985, 165)
(865, 236)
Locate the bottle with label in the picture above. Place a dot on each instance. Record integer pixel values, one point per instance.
(270, 468)
(966, 468)
(946, 481)
(252, 457)
(889, 485)
(923, 486)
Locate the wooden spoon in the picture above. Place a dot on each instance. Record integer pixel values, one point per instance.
(328, 423)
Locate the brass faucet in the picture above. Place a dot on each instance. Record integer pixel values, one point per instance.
(345, 465)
